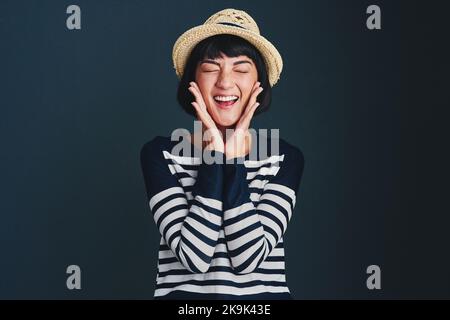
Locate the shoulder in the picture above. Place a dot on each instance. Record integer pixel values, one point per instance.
(157, 143)
(292, 165)
(293, 154)
(154, 148)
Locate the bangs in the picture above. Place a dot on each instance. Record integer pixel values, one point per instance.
(231, 46)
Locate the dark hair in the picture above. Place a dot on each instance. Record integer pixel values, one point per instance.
(211, 48)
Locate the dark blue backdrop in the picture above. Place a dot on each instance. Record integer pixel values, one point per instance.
(77, 106)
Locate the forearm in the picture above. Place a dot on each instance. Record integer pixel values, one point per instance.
(243, 229)
(189, 222)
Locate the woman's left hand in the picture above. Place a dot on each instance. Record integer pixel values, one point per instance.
(235, 145)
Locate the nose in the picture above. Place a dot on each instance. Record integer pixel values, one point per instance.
(225, 80)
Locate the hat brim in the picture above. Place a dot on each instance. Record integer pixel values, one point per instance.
(189, 39)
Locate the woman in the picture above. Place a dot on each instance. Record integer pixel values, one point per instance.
(222, 223)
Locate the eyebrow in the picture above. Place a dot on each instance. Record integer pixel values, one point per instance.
(216, 63)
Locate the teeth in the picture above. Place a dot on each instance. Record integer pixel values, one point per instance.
(225, 98)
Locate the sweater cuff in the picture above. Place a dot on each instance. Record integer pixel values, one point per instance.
(209, 181)
(236, 190)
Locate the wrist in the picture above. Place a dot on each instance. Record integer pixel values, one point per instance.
(216, 145)
(235, 150)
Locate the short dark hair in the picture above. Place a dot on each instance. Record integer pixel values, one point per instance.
(211, 48)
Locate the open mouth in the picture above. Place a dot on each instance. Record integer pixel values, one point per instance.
(225, 102)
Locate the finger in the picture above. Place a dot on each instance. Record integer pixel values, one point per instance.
(197, 94)
(252, 101)
(203, 116)
(255, 94)
(253, 91)
(257, 89)
(256, 85)
(194, 84)
(252, 111)
(200, 113)
(201, 104)
(244, 122)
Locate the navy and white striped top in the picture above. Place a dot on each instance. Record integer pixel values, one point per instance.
(221, 225)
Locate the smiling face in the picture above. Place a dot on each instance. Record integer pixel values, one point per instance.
(226, 84)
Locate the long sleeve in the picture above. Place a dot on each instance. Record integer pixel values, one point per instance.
(190, 228)
(252, 232)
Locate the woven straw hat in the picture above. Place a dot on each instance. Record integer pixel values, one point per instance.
(228, 21)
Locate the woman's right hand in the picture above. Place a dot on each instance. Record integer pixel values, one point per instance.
(214, 136)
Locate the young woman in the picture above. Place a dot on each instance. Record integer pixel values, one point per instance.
(222, 223)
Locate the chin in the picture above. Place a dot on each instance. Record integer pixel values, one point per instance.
(227, 122)
(226, 118)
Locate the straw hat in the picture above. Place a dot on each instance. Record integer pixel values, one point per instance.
(228, 21)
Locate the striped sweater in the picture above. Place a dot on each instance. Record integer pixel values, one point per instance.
(221, 225)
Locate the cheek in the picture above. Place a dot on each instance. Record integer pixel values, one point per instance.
(205, 82)
(246, 85)
(246, 92)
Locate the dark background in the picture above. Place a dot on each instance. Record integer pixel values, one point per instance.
(367, 108)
